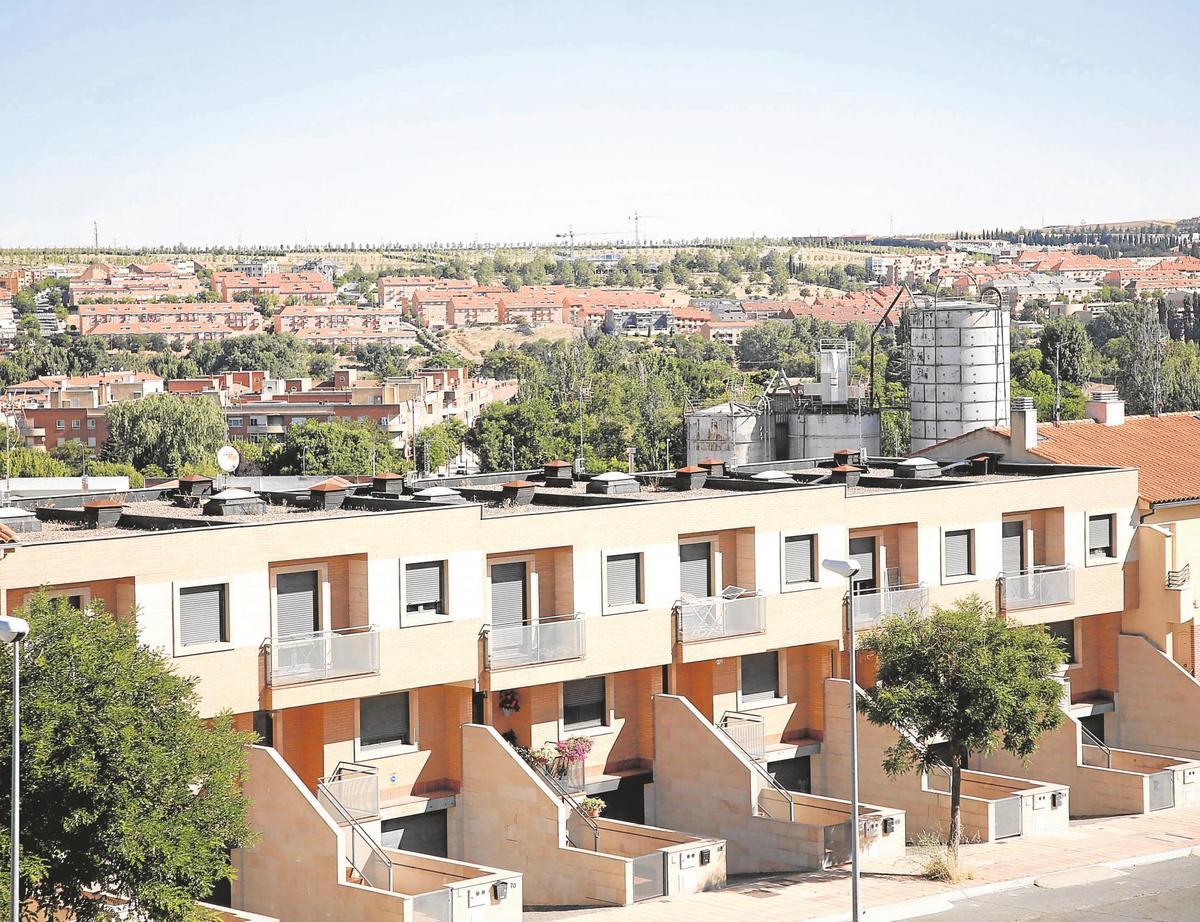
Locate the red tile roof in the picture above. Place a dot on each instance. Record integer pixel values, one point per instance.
(1162, 448)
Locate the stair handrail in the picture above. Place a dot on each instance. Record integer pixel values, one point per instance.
(1090, 739)
(356, 828)
(569, 799)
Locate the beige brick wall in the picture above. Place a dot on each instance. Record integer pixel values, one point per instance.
(1157, 704)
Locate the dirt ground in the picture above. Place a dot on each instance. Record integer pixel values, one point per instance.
(472, 343)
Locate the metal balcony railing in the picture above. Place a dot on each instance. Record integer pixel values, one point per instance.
(1037, 587)
(1181, 578)
(734, 612)
(355, 788)
(548, 640)
(748, 731)
(872, 606)
(320, 655)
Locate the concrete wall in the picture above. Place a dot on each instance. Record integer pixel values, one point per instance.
(1157, 704)
(705, 785)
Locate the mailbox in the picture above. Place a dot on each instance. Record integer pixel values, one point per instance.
(1041, 801)
(1189, 776)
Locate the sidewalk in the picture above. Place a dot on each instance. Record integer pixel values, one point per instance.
(826, 894)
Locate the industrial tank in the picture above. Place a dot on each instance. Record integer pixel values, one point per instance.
(818, 434)
(737, 433)
(958, 370)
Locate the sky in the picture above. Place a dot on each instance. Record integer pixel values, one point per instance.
(267, 123)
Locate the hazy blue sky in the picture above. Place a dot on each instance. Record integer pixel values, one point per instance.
(403, 121)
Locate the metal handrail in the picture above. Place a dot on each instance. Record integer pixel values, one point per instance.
(356, 828)
(1090, 739)
(744, 717)
(1178, 579)
(569, 798)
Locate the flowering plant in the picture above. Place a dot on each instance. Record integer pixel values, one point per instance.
(510, 701)
(574, 748)
(592, 806)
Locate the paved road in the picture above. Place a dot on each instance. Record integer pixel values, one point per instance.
(1164, 892)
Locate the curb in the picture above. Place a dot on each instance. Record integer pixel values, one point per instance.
(940, 902)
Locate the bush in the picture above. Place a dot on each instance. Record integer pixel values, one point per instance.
(939, 861)
(116, 469)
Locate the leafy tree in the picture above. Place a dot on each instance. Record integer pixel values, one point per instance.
(437, 445)
(779, 283)
(964, 676)
(164, 430)
(485, 271)
(1064, 347)
(663, 277)
(338, 447)
(74, 454)
(123, 785)
(282, 355)
(116, 469)
(1025, 361)
(383, 361)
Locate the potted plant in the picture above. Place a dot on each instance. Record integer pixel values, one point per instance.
(510, 702)
(574, 748)
(591, 806)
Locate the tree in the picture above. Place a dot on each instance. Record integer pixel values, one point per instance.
(1064, 347)
(437, 445)
(164, 430)
(963, 676)
(123, 785)
(338, 447)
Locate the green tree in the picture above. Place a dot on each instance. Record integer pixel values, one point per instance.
(437, 445)
(1064, 347)
(663, 277)
(123, 785)
(164, 430)
(338, 447)
(963, 676)
(485, 271)
(282, 355)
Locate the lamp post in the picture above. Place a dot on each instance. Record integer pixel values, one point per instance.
(849, 569)
(13, 631)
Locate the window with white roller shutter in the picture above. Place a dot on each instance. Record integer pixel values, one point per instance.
(202, 619)
(425, 588)
(957, 553)
(623, 580)
(799, 559)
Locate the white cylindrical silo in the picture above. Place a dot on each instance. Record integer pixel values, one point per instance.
(958, 370)
(737, 433)
(816, 434)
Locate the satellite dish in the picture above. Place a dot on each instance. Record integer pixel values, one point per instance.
(228, 459)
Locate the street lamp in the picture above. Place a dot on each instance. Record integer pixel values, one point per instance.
(849, 569)
(13, 631)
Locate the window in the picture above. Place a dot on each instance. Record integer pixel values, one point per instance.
(60, 424)
(695, 569)
(74, 424)
(383, 720)
(584, 704)
(1064, 632)
(958, 553)
(1100, 536)
(235, 422)
(799, 556)
(424, 588)
(202, 616)
(760, 677)
(297, 606)
(91, 424)
(623, 580)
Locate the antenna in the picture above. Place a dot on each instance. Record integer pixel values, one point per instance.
(96, 238)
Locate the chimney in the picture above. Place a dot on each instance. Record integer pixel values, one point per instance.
(1024, 423)
(846, 473)
(195, 485)
(690, 478)
(714, 466)
(844, 456)
(1106, 407)
(388, 484)
(102, 513)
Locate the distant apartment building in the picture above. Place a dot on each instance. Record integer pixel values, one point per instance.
(869, 307)
(334, 324)
(257, 268)
(473, 309)
(688, 320)
(535, 305)
(58, 408)
(914, 267)
(589, 305)
(295, 287)
(137, 282)
(397, 290)
(729, 332)
(638, 321)
(182, 321)
(328, 269)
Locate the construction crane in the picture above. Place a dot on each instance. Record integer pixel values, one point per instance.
(637, 218)
(571, 234)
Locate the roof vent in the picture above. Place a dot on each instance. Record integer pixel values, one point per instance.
(439, 496)
(19, 520)
(917, 469)
(690, 478)
(234, 501)
(771, 476)
(557, 473)
(518, 492)
(845, 456)
(846, 473)
(195, 485)
(1023, 403)
(388, 484)
(102, 513)
(613, 483)
(328, 494)
(714, 466)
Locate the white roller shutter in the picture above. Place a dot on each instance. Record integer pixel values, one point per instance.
(622, 582)
(1012, 547)
(863, 550)
(1100, 541)
(695, 568)
(508, 594)
(798, 559)
(958, 553)
(423, 586)
(202, 615)
(296, 608)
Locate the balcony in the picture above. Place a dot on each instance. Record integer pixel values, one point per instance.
(1181, 578)
(352, 791)
(548, 640)
(322, 655)
(870, 607)
(733, 613)
(748, 731)
(1037, 587)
